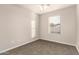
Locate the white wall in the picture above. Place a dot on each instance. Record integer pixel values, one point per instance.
(77, 45)
(15, 26)
(68, 26)
(38, 26)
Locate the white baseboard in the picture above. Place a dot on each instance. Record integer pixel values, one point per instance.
(18, 46)
(33, 41)
(77, 48)
(59, 42)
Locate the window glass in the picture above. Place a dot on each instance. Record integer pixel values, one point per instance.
(54, 24)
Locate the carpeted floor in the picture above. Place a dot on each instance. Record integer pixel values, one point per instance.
(42, 47)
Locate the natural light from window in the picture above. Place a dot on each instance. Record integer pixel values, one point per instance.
(54, 24)
(33, 28)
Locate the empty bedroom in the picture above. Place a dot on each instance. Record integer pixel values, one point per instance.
(39, 29)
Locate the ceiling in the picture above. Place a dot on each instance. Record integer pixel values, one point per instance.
(36, 7)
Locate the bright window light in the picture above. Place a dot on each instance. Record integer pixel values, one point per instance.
(54, 24)
(33, 28)
(54, 19)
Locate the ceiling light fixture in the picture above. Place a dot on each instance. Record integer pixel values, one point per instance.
(44, 7)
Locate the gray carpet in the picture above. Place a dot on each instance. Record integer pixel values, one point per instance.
(42, 47)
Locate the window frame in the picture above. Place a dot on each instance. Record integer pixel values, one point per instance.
(49, 27)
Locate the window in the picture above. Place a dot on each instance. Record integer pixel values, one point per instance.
(33, 28)
(54, 24)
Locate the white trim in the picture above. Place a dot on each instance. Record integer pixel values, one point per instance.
(77, 48)
(17, 46)
(58, 42)
(33, 41)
